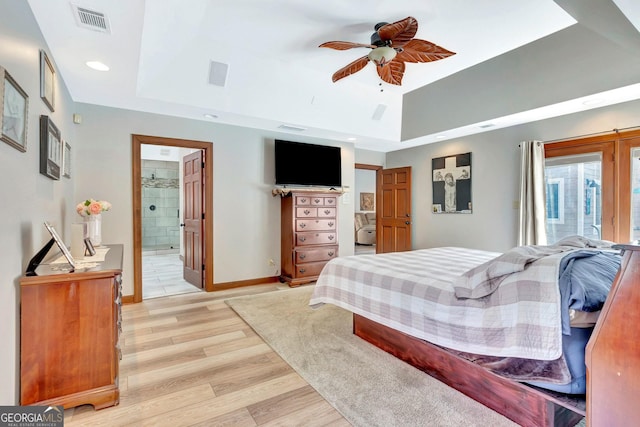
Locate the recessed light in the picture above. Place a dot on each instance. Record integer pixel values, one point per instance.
(97, 65)
(352, 139)
(210, 116)
(441, 136)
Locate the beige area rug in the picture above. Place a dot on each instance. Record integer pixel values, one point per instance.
(366, 385)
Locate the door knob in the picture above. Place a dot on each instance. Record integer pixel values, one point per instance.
(182, 225)
(407, 222)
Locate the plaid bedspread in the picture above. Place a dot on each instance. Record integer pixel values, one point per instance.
(413, 292)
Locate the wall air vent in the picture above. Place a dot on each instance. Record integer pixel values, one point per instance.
(291, 127)
(380, 109)
(218, 73)
(90, 19)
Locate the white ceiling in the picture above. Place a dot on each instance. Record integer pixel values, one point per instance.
(159, 54)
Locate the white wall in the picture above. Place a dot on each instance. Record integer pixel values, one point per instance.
(246, 215)
(365, 183)
(27, 197)
(495, 173)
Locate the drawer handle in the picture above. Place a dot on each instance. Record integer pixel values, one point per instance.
(302, 239)
(303, 225)
(302, 270)
(303, 200)
(331, 237)
(327, 211)
(331, 224)
(317, 200)
(330, 253)
(302, 256)
(330, 201)
(307, 211)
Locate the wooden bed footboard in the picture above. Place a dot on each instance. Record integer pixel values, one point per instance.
(527, 406)
(612, 358)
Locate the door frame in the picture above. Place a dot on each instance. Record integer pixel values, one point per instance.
(207, 204)
(375, 168)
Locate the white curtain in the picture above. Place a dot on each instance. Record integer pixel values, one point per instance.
(533, 214)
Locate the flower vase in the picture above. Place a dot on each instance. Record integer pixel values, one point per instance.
(94, 228)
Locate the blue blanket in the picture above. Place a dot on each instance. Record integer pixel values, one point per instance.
(585, 279)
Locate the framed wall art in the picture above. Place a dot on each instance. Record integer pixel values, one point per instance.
(47, 81)
(367, 201)
(451, 184)
(14, 112)
(50, 148)
(66, 160)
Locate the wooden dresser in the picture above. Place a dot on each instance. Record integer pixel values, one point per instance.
(70, 325)
(309, 226)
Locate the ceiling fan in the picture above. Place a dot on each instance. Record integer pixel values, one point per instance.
(391, 46)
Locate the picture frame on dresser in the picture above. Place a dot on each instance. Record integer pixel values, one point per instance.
(14, 112)
(63, 248)
(50, 148)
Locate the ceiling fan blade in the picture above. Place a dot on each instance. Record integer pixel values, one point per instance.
(344, 45)
(422, 51)
(392, 72)
(399, 32)
(351, 68)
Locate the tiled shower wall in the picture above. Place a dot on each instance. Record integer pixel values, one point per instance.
(160, 205)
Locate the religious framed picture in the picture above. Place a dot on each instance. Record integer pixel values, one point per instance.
(50, 148)
(367, 201)
(47, 81)
(451, 180)
(14, 111)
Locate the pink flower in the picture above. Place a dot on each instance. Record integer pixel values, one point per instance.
(92, 207)
(95, 208)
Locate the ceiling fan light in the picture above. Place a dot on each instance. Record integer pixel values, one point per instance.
(382, 55)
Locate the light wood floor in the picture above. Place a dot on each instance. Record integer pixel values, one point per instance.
(189, 360)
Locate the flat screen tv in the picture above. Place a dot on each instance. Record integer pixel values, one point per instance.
(307, 164)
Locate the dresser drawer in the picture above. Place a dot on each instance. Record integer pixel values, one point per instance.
(309, 269)
(303, 200)
(315, 238)
(315, 224)
(306, 212)
(319, 254)
(326, 212)
(323, 201)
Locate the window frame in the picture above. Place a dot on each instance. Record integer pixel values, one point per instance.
(615, 149)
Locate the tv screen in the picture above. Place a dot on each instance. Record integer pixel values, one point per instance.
(307, 164)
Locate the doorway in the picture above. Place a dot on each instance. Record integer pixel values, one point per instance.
(164, 252)
(365, 208)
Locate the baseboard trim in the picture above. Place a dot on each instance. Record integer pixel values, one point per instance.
(242, 283)
(128, 299)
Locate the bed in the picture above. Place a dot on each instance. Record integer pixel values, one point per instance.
(445, 310)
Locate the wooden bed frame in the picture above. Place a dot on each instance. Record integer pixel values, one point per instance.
(612, 359)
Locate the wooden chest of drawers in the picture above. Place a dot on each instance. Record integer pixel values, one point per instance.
(70, 326)
(309, 235)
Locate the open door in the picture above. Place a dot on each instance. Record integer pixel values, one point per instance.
(193, 218)
(393, 227)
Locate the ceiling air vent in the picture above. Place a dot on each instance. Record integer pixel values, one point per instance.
(90, 19)
(291, 127)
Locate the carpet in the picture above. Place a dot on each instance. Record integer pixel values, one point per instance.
(365, 384)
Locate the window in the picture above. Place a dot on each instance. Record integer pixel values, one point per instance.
(555, 200)
(600, 192)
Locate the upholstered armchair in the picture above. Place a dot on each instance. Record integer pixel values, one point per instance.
(365, 228)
